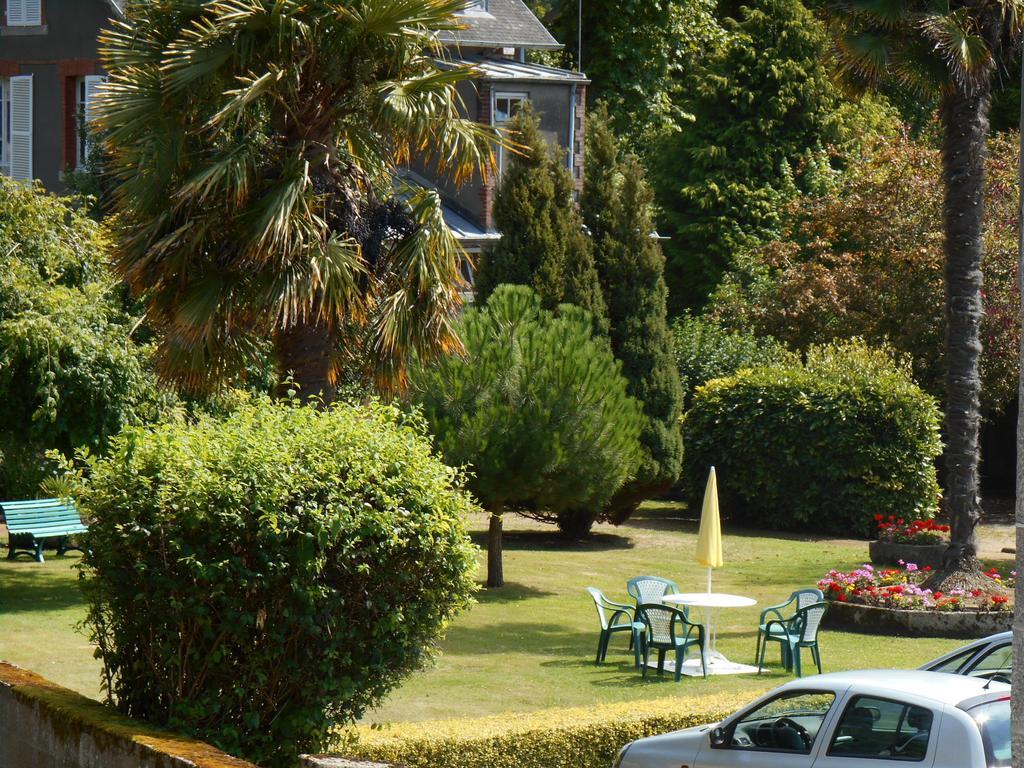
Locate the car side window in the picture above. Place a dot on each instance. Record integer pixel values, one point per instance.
(996, 663)
(882, 730)
(788, 723)
(955, 664)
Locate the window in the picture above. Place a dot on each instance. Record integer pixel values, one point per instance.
(996, 663)
(993, 720)
(24, 13)
(475, 6)
(787, 723)
(5, 126)
(505, 107)
(86, 91)
(955, 664)
(882, 729)
(16, 127)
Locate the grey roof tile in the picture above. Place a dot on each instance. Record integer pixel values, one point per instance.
(505, 24)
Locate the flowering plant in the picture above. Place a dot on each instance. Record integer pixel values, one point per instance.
(920, 532)
(900, 588)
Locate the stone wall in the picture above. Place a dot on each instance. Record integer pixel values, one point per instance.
(324, 761)
(45, 726)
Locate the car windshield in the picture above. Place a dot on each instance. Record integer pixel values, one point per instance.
(993, 721)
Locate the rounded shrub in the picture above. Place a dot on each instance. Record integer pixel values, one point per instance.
(821, 446)
(256, 579)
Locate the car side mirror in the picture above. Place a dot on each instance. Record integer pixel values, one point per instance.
(718, 737)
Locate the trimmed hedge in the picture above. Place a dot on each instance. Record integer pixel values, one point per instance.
(821, 446)
(582, 737)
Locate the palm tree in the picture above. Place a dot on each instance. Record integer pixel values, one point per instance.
(953, 50)
(256, 146)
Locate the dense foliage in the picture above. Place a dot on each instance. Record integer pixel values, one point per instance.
(543, 244)
(616, 207)
(254, 580)
(562, 738)
(70, 374)
(766, 113)
(705, 349)
(828, 276)
(271, 207)
(822, 446)
(537, 409)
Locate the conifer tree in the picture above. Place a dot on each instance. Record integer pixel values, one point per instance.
(616, 207)
(543, 244)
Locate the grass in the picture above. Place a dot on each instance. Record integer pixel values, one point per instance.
(531, 644)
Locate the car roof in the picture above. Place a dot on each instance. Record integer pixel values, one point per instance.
(975, 646)
(938, 686)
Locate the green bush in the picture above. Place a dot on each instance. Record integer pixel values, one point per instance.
(71, 374)
(822, 446)
(256, 579)
(706, 350)
(587, 737)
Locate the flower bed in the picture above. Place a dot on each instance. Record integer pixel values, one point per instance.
(892, 601)
(918, 541)
(900, 588)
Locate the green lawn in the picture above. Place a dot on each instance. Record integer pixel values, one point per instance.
(531, 644)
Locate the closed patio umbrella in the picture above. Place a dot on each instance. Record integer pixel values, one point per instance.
(709, 539)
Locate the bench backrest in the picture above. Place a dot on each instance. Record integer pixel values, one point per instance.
(41, 516)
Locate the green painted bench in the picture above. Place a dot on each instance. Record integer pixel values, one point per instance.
(30, 522)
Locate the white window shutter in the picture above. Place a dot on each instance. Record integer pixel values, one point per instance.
(92, 84)
(33, 12)
(21, 127)
(16, 12)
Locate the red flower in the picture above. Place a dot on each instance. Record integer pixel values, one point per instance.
(926, 568)
(1000, 600)
(841, 597)
(937, 595)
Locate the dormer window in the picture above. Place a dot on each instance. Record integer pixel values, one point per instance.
(475, 6)
(24, 13)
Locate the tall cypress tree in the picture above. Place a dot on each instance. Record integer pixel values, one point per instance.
(616, 207)
(543, 244)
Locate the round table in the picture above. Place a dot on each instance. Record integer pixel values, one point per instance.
(717, 663)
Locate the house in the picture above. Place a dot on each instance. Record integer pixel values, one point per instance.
(49, 71)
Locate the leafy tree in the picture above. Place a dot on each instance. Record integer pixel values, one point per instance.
(71, 375)
(255, 147)
(616, 207)
(954, 52)
(543, 244)
(258, 579)
(830, 277)
(537, 410)
(639, 55)
(765, 114)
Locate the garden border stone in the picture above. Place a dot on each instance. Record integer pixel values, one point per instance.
(890, 553)
(906, 623)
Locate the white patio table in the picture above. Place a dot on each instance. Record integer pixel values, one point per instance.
(717, 663)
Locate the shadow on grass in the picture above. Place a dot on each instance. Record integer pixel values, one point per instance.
(618, 672)
(520, 637)
(26, 587)
(545, 541)
(510, 593)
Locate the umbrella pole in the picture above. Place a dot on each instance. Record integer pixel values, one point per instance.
(709, 581)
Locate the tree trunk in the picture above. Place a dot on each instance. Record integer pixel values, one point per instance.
(495, 573)
(965, 125)
(305, 352)
(1017, 689)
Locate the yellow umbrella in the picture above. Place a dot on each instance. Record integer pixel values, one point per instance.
(709, 539)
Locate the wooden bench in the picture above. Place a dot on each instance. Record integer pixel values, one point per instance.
(30, 522)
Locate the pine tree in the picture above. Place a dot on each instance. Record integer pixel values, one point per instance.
(762, 104)
(616, 206)
(543, 244)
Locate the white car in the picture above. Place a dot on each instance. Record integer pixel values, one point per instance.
(990, 657)
(865, 719)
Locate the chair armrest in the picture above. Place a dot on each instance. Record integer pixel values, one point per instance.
(776, 609)
(782, 625)
(626, 613)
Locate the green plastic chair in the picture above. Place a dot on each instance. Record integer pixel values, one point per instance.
(800, 631)
(800, 598)
(615, 618)
(668, 629)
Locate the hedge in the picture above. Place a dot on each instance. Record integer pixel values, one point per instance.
(821, 446)
(582, 737)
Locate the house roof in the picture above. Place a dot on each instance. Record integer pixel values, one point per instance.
(505, 24)
(511, 70)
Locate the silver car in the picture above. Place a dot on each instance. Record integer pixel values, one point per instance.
(865, 719)
(990, 657)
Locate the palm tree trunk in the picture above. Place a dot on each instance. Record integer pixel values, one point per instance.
(495, 570)
(965, 124)
(1017, 688)
(305, 352)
